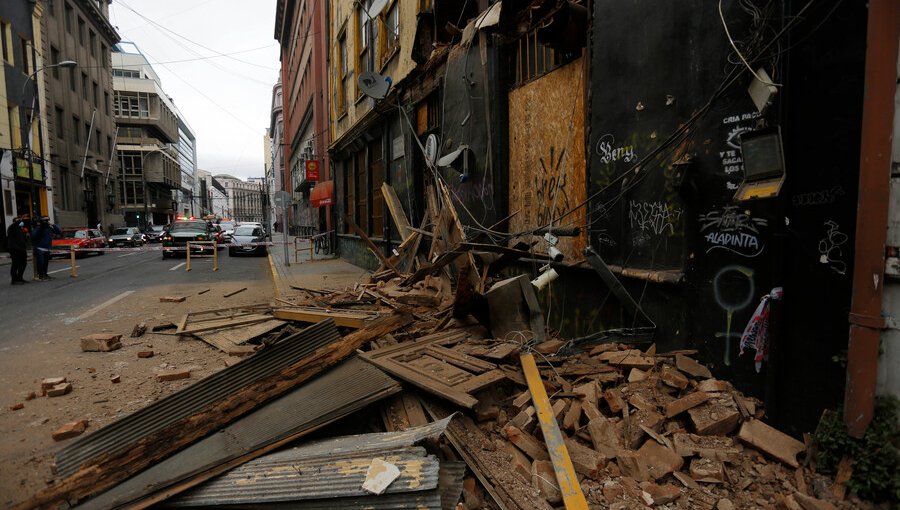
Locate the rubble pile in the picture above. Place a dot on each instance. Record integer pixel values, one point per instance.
(437, 385)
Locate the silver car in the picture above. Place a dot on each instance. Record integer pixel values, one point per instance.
(126, 236)
(244, 234)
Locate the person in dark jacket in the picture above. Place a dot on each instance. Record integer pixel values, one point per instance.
(42, 242)
(18, 251)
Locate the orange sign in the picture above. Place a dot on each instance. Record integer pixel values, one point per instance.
(312, 170)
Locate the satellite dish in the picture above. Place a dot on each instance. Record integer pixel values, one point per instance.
(431, 148)
(376, 7)
(373, 84)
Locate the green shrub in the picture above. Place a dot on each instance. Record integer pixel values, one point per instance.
(876, 456)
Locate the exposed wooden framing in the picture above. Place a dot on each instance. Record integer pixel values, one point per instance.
(225, 323)
(358, 231)
(344, 318)
(572, 496)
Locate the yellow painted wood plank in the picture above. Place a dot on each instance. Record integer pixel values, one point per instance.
(572, 496)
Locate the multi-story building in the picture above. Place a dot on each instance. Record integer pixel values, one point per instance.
(148, 140)
(186, 196)
(275, 161)
(23, 126)
(244, 199)
(269, 182)
(301, 26)
(213, 198)
(80, 130)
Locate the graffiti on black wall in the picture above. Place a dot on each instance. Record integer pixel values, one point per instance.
(830, 251)
(734, 290)
(734, 230)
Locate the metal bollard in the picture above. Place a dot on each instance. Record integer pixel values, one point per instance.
(311, 249)
(188, 264)
(296, 251)
(72, 257)
(215, 256)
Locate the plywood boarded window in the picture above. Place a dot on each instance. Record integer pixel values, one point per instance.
(362, 210)
(376, 179)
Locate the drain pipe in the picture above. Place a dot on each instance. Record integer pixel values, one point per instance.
(866, 319)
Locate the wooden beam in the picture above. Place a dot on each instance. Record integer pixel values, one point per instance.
(387, 263)
(572, 496)
(343, 318)
(396, 210)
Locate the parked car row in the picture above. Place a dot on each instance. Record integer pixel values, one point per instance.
(172, 237)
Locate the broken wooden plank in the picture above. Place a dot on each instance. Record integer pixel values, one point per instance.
(572, 496)
(224, 324)
(396, 210)
(345, 318)
(375, 250)
(227, 341)
(242, 289)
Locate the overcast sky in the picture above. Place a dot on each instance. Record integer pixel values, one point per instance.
(225, 99)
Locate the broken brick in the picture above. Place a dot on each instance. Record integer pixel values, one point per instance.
(518, 462)
(659, 459)
(717, 416)
(713, 386)
(145, 354)
(586, 461)
(681, 405)
(771, 441)
(101, 342)
(550, 346)
(811, 503)
(632, 465)
(50, 382)
(543, 478)
(173, 375)
(636, 375)
(661, 494)
(525, 419)
(605, 436)
(570, 420)
(673, 377)
(172, 299)
(17, 406)
(706, 470)
(59, 390)
(613, 398)
(31, 396)
(692, 367)
(69, 430)
(710, 447)
(631, 426)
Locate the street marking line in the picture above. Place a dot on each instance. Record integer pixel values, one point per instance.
(129, 254)
(103, 305)
(63, 269)
(176, 267)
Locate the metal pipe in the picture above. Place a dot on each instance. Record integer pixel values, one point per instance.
(866, 320)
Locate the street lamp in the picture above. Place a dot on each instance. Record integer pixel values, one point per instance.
(37, 107)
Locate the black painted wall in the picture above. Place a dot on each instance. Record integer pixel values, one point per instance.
(655, 66)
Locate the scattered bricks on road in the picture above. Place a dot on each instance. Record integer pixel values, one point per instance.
(171, 299)
(586, 461)
(16, 407)
(526, 442)
(659, 459)
(50, 382)
(713, 386)
(710, 447)
(518, 462)
(673, 377)
(59, 390)
(91, 370)
(69, 430)
(692, 367)
(613, 398)
(163, 327)
(683, 404)
(636, 375)
(31, 396)
(543, 478)
(145, 354)
(769, 440)
(101, 342)
(116, 379)
(173, 375)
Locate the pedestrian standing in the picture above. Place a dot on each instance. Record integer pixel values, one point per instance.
(42, 242)
(18, 251)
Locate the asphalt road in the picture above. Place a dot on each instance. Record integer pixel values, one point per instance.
(102, 279)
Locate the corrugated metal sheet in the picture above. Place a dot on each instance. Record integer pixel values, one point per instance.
(343, 390)
(322, 478)
(450, 482)
(425, 500)
(121, 434)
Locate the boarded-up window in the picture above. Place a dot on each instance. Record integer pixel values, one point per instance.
(362, 211)
(350, 186)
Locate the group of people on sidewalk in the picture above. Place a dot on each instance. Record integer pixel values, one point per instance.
(41, 233)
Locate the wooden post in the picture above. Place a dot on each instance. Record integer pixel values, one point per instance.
(215, 256)
(188, 264)
(296, 250)
(310, 241)
(72, 257)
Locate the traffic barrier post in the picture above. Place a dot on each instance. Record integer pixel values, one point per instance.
(72, 258)
(187, 266)
(296, 250)
(215, 254)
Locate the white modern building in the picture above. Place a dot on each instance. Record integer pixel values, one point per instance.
(244, 198)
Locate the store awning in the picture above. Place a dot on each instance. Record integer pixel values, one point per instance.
(322, 194)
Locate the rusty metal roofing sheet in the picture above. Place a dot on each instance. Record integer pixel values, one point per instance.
(323, 478)
(121, 434)
(450, 482)
(327, 468)
(341, 391)
(424, 500)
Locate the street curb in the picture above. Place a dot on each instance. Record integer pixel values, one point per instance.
(275, 279)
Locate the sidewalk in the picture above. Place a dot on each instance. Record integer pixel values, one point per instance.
(324, 272)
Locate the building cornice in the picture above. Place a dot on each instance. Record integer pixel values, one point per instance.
(99, 20)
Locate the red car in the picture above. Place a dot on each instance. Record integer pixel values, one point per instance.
(82, 239)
